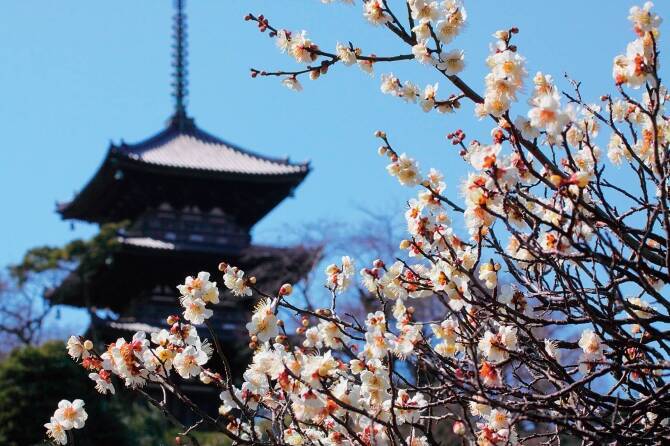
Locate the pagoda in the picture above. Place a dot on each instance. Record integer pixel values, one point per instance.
(189, 201)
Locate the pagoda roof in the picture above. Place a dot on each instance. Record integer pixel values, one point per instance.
(129, 325)
(148, 242)
(116, 283)
(186, 166)
(184, 146)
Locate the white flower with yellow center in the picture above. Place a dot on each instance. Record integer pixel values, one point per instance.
(283, 40)
(263, 323)
(488, 273)
(56, 431)
(292, 83)
(390, 84)
(102, 381)
(547, 115)
(499, 419)
(317, 368)
(495, 347)
(75, 348)
(195, 311)
(312, 338)
(409, 92)
(643, 19)
(373, 11)
(422, 54)
(424, 10)
(428, 100)
(458, 291)
(590, 343)
(422, 31)
(301, 48)
(71, 414)
(347, 55)
(338, 278)
(235, 281)
(391, 283)
(331, 335)
(189, 361)
(269, 361)
(200, 288)
(452, 62)
(377, 344)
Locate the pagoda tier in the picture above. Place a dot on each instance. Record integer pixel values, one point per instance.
(146, 271)
(184, 166)
(186, 201)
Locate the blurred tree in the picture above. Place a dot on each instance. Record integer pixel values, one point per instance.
(82, 256)
(23, 306)
(371, 235)
(33, 380)
(22, 313)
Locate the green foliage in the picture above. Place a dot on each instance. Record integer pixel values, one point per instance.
(212, 439)
(167, 438)
(33, 380)
(86, 255)
(146, 425)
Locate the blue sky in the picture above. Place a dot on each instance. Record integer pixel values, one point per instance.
(78, 74)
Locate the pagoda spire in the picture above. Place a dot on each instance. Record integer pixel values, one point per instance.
(180, 66)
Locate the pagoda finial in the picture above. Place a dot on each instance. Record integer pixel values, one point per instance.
(180, 65)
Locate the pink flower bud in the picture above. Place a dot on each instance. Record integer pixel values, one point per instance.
(285, 289)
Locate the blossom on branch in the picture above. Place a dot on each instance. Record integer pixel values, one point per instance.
(526, 305)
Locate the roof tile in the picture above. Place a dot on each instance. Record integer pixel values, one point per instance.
(195, 149)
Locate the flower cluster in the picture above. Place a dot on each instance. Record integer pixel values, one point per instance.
(404, 168)
(140, 360)
(633, 68)
(338, 277)
(441, 22)
(426, 99)
(534, 307)
(196, 293)
(505, 78)
(69, 415)
(235, 281)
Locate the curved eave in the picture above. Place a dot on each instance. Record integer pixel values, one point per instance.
(114, 285)
(123, 161)
(186, 126)
(161, 248)
(69, 209)
(102, 187)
